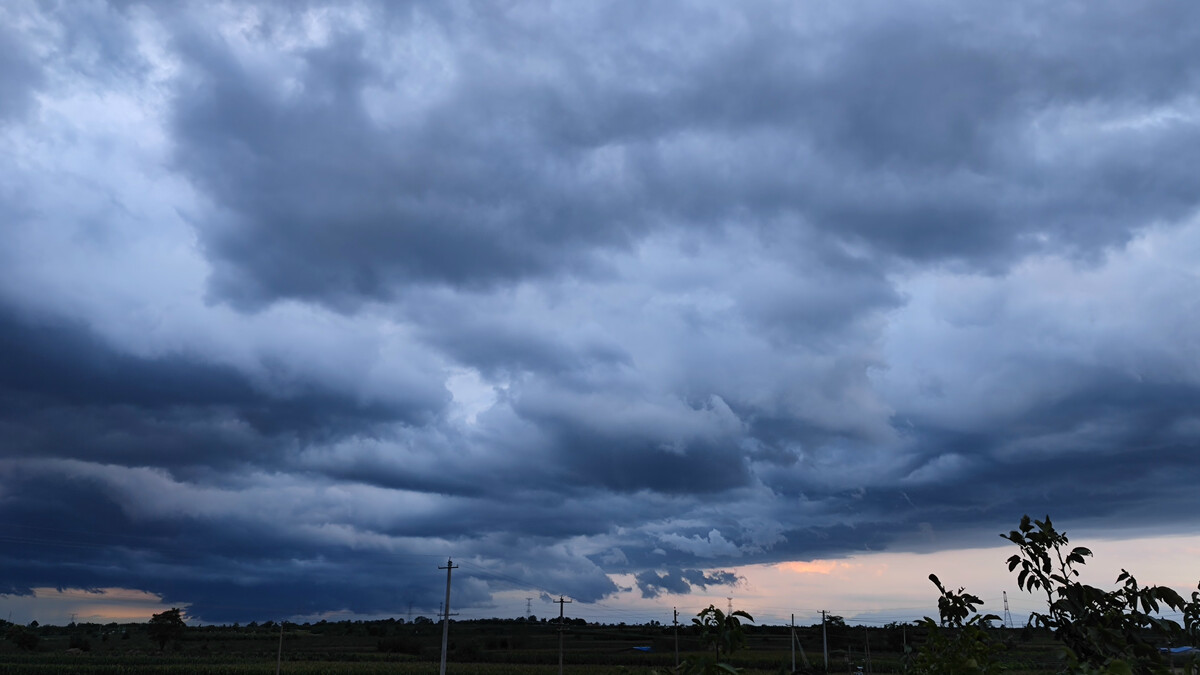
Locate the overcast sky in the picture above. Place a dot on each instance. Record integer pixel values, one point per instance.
(297, 300)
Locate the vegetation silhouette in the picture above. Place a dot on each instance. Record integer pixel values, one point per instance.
(1119, 632)
(166, 627)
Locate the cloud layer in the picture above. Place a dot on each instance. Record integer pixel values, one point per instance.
(297, 301)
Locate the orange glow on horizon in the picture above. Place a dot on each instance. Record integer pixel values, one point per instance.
(93, 605)
(816, 566)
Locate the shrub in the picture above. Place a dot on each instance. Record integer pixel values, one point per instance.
(1102, 632)
(23, 638)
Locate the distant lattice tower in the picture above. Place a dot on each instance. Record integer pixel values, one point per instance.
(730, 605)
(1007, 615)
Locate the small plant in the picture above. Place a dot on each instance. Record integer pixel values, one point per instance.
(724, 634)
(958, 643)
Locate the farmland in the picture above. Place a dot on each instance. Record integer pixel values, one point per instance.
(486, 647)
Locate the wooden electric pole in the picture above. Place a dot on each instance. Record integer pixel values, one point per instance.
(675, 621)
(561, 604)
(446, 613)
(824, 641)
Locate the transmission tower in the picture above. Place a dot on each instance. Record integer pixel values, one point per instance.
(528, 607)
(1007, 616)
(730, 605)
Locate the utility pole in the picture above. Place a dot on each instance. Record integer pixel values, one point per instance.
(446, 613)
(561, 604)
(793, 641)
(824, 640)
(675, 621)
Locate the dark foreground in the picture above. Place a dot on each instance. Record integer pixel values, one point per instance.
(496, 647)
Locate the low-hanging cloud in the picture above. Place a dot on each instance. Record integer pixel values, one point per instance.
(682, 581)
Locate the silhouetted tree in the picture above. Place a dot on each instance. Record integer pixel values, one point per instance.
(166, 627)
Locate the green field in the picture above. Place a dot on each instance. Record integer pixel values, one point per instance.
(498, 647)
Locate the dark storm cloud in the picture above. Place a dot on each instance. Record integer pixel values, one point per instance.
(64, 392)
(296, 304)
(76, 525)
(915, 134)
(63, 361)
(1097, 455)
(438, 199)
(647, 466)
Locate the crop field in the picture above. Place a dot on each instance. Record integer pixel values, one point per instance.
(498, 647)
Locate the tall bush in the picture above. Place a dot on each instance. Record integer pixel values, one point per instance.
(1118, 632)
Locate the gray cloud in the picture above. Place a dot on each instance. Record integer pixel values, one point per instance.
(20, 75)
(507, 169)
(295, 298)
